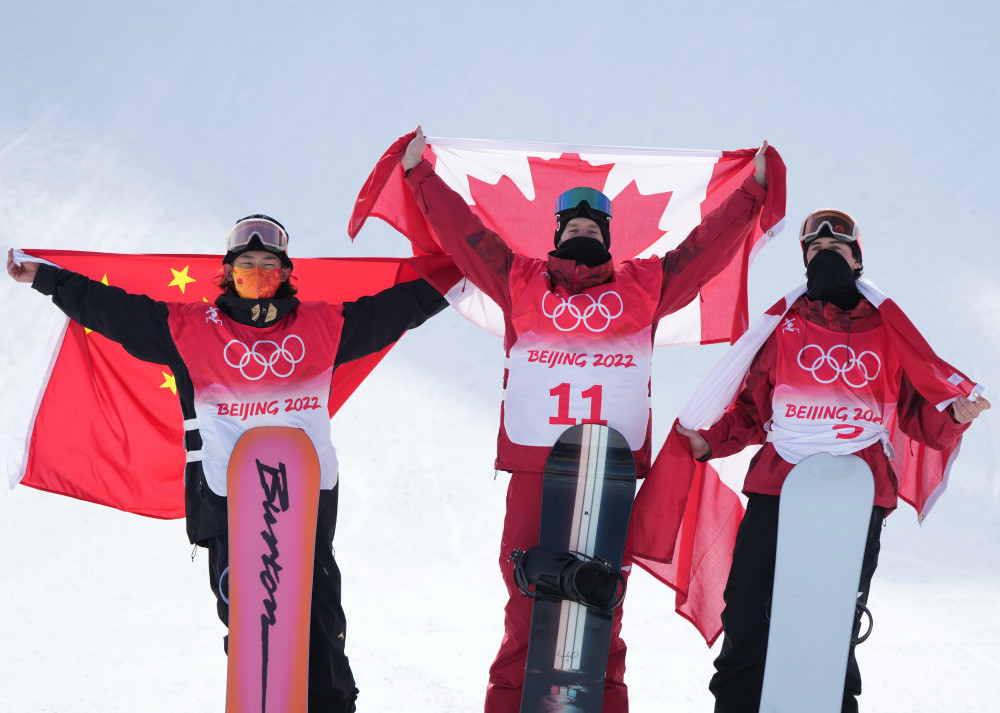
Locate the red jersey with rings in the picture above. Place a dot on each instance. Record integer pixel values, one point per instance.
(578, 357)
(245, 377)
(835, 391)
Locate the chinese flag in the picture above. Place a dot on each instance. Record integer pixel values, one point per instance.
(106, 427)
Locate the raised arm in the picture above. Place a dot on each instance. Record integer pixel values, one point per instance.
(137, 322)
(715, 241)
(25, 272)
(480, 254)
(373, 323)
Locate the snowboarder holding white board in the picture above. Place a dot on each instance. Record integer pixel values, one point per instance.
(837, 368)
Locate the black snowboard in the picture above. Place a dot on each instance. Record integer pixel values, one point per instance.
(586, 503)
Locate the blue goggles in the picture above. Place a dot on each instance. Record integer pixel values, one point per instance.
(591, 196)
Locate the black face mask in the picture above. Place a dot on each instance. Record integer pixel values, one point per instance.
(583, 251)
(830, 278)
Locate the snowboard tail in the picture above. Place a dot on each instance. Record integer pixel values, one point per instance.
(273, 491)
(587, 493)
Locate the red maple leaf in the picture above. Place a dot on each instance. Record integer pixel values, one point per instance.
(528, 225)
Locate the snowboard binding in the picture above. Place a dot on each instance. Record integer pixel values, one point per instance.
(572, 576)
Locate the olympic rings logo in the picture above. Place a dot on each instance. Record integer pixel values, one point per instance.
(855, 369)
(595, 315)
(264, 356)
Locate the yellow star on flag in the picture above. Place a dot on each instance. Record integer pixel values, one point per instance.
(104, 281)
(181, 278)
(169, 382)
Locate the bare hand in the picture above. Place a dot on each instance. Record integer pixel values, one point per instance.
(966, 411)
(760, 165)
(414, 151)
(25, 272)
(699, 446)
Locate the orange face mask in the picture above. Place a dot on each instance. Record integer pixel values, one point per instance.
(254, 283)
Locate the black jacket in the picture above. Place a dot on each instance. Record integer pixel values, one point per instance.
(139, 324)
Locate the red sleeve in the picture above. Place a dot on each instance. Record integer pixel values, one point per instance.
(481, 255)
(710, 247)
(742, 424)
(922, 422)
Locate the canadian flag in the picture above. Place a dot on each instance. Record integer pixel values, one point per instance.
(685, 517)
(102, 426)
(659, 196)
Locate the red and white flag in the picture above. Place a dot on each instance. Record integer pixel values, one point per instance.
(659, 196)
(106, 427)
(685, 517)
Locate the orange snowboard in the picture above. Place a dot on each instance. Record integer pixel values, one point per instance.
(273, 483)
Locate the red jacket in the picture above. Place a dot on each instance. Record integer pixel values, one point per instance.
(743, 425)
(486, 260)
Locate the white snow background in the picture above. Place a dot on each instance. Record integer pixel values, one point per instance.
(151, 127)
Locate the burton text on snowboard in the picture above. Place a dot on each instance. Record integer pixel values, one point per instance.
(273, 484)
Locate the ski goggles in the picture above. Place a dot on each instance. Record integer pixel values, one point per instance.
(834, 223)
(271, 235)
(575, 196)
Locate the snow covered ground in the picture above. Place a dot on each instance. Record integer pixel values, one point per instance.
(150, 128)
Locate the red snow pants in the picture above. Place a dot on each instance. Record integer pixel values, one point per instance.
(520, 530)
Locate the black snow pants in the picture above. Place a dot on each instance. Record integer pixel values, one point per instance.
(745, 620)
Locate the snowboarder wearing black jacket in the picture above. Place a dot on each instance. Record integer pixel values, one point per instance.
(256, 293)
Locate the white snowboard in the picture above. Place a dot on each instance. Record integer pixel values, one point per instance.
(823, 518)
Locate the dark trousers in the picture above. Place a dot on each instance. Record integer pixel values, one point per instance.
(331, 683)
(745, 620)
